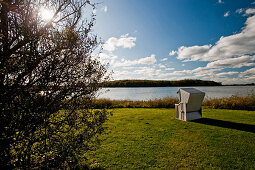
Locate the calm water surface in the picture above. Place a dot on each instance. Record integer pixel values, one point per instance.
(148, 93)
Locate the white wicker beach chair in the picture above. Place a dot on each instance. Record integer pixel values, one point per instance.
(190, 104)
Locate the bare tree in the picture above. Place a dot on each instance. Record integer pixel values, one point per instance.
(48, 78)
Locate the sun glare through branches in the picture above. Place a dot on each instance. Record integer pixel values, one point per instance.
(46, 14)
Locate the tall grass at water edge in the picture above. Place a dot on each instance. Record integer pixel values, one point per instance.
(156, 103)
(234, 102)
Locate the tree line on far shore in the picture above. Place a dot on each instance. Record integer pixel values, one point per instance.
(160, 83)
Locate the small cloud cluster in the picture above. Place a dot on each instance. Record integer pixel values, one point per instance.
(162, 66)
(104, 9)
(172, 53)
(124, 68)
(220, 2)
(247, 12)
(239, 11)
(250, 11)
(124, 41)
(227, 14)
(164, 59)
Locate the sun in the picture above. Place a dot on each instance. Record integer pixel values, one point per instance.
(46, 14)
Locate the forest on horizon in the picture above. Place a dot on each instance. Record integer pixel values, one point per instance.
(160, 83)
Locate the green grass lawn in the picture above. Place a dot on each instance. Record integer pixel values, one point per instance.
(153, 138)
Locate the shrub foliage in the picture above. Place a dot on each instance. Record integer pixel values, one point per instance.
(48, 78)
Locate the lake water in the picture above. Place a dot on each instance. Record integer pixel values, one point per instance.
(148, 93)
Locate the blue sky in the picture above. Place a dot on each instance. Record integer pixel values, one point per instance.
(178, 39)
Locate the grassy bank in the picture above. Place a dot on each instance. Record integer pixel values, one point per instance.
(153, 138)
(233, 102)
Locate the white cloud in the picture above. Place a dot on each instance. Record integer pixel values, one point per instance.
(237, 80)
(205, 70)
(226, 74)
(104, 9)
(145, 71)
(179, 73)
(172, 53)
(226, 14)
(250, 11)
(103, 56)
(235, 45)
(148, 60)
(144, 61)
(161, 66)
(125, 63)
(220, 2)
(164, 59)
(206, 74)
(193, 52)
(209, 71)
(118, 75)
(248, 72)
(169, 69)
(107, 58)
(253, 3)
(139, 73)
(237, 62)
(183, 65)
(124, 41)
(239, 11)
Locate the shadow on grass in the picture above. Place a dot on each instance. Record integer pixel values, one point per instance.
(226, 124)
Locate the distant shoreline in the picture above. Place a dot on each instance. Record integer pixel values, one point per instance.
(167, 83)
(186, 86)
(252, 84)
(160, 83)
